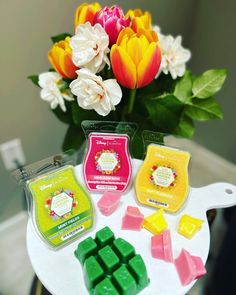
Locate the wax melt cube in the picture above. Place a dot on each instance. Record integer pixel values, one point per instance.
(156, 222)
(85, 249)
(109, 202)
(124, 281)
(199, 267)
(189, 267)
(104, 237)
(133, 219)
(105, 287)
(109, 260)
(93, 270)
(161, 246)
(124, 249)
(188, 226)
(138, 269)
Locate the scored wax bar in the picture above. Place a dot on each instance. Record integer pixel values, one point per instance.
(111, 265)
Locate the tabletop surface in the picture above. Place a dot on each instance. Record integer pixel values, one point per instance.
(61, 273)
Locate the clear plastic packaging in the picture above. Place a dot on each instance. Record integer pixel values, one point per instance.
(162, 180)
(60, 207)
(107, 165)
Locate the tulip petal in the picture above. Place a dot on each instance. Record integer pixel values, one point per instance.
(149, 65)
(86, 12)
(123, 67)
(127, 31)
(150, 35)
(53, 58)
(134, 50)
(145, 43)
(134, 13)
(67, 66)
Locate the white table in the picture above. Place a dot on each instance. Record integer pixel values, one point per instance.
(61, 273)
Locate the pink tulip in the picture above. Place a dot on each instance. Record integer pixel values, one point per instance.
(112, 19)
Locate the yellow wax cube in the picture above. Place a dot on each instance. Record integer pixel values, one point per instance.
(188, 226)
(156, 222)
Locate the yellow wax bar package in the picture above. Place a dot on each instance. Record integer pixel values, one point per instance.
(61, 208)
(162, 180)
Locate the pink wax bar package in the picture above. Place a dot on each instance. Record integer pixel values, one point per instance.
(107, 165)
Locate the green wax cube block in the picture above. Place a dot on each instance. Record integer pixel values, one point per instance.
(104, 237)
(138, 269)
(85, 249)
(123, 249)
(124, 281)
(110, 265)
(109, 259)
(93, 272)
(105, 288)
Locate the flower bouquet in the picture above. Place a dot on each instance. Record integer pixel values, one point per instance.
(122, 67)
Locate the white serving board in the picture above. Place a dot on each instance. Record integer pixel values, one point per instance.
(61, 273)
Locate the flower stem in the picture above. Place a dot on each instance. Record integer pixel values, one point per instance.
(132, 96)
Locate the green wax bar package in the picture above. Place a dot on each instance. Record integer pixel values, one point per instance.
(60, 207)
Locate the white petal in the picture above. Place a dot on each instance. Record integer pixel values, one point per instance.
(113, 91)
(48, 78)
(90, 47)
(174, 56)
(101, 111)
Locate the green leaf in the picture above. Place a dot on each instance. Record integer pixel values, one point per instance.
(73, 139)
(34, 79)
(164, 112)
(163, 84)
(79, 114)
(203, 110)
(183, 88)
(60, 37)
(209, 83)
(186, 127)
(65, 117)
(137, 147)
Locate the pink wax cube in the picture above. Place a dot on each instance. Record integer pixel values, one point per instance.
(109, 202)
(161, 246)
(189, 267)
(133, 219)
(199, 267)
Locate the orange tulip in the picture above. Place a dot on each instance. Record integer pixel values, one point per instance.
(85, 13)
(140, 19)
(135, 58)
(60, 57)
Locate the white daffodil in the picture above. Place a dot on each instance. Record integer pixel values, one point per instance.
(174, 55)
(90, 47)
(50, 83)
(94, 93)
